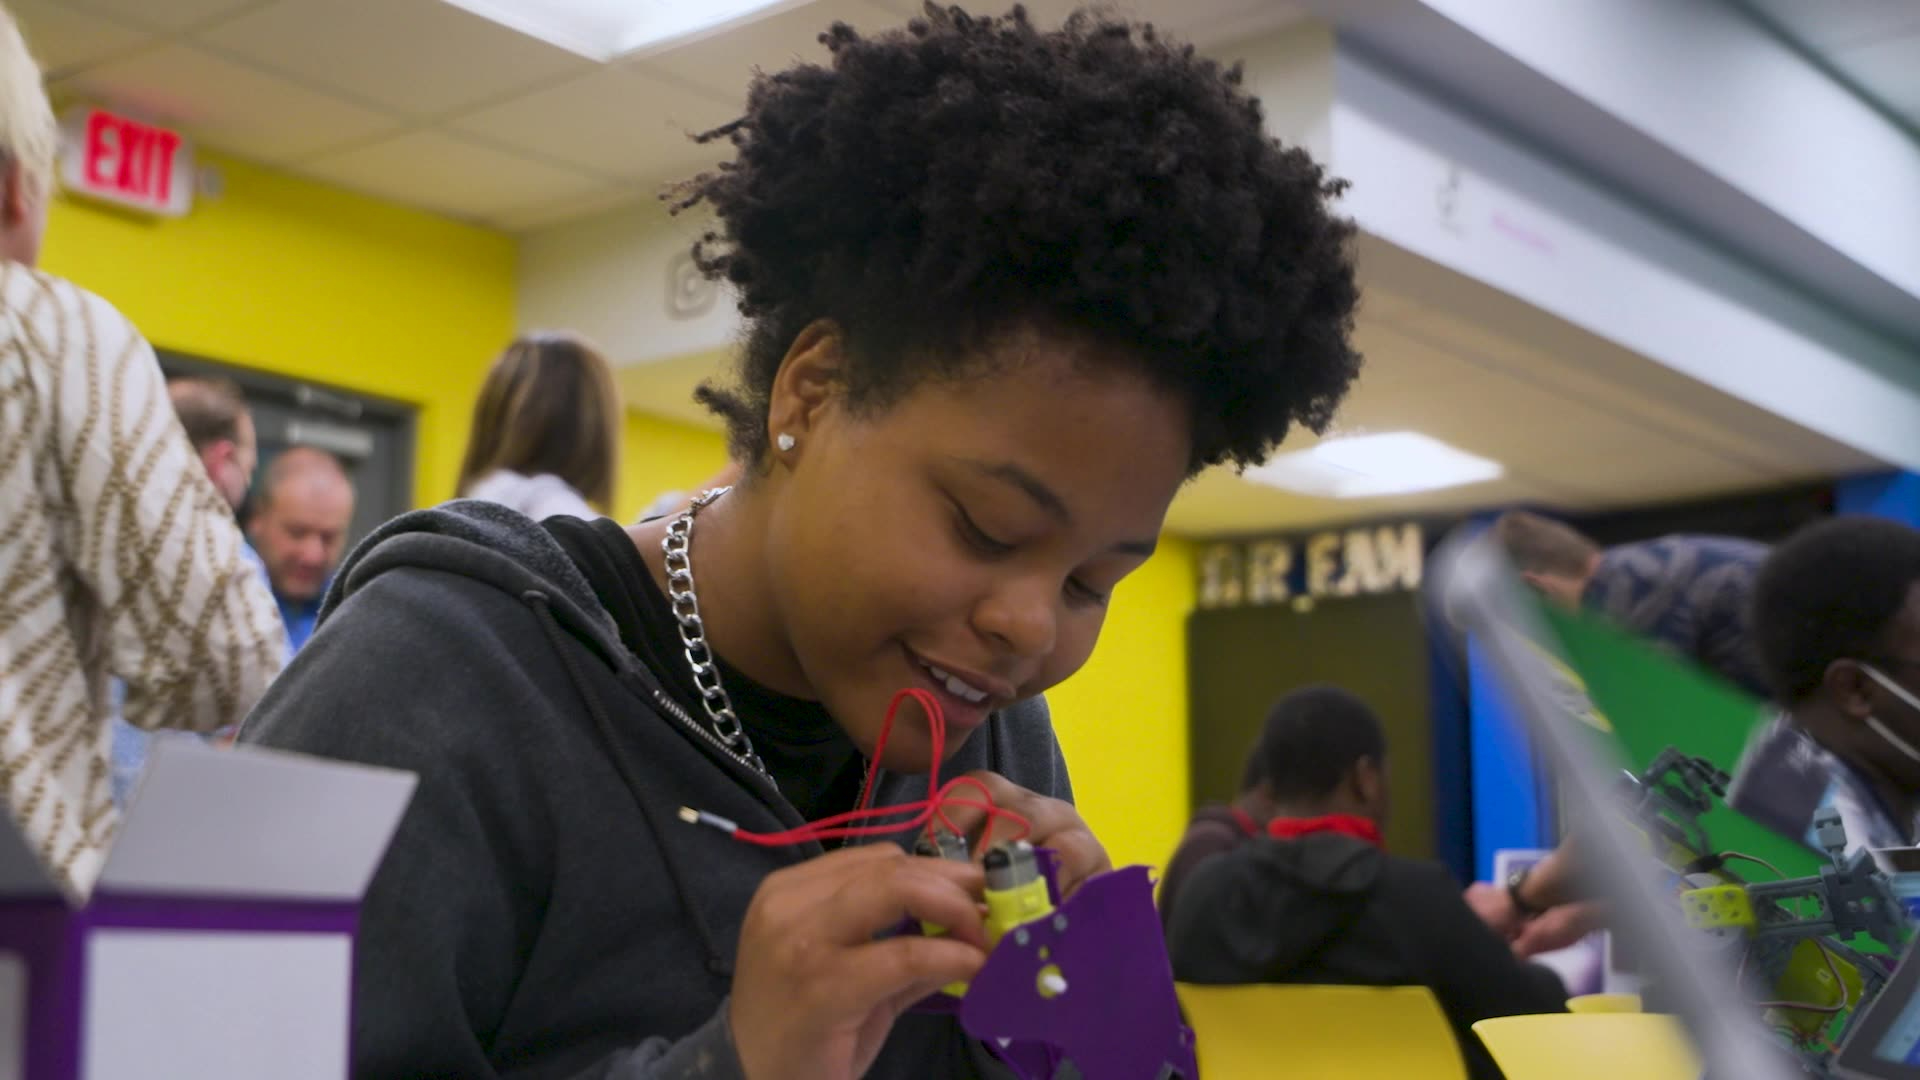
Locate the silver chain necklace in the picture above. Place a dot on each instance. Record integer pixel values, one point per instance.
(678, 546)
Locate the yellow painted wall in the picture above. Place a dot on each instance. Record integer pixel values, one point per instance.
(664, 455)
(313, 282)
(1122, 719)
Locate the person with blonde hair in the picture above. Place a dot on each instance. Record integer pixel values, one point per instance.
(120, 558)
(546, 430)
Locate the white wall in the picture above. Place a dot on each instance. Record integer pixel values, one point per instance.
(1434, 183)
(607, 276)
(1691, 108)
(1709, 83)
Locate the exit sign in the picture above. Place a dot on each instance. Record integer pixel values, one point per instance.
(126, 162)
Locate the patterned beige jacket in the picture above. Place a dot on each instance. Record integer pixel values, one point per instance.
(117, 557)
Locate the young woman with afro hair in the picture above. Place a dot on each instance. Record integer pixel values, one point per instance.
(1006, 290)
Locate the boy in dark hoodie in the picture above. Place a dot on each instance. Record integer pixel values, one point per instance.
(1315, 898)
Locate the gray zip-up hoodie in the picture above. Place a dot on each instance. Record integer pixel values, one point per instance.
(542, 913)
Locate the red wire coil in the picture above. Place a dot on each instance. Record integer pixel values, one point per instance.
(924, 811)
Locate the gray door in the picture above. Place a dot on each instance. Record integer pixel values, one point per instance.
(372, 437)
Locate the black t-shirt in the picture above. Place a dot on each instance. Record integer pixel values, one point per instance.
(810, 757)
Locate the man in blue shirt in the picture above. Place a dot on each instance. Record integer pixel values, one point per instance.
(299, 525)
(1691, 594)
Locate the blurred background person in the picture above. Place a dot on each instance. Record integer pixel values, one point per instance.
(1690, 593)
(213, 410)
(1837, 616)
(546, 430)
(299, 526)
(119, 557)
(1312, 896)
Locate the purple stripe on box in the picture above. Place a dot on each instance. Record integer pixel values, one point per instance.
(50, 938)
(218, 913)
(43, 934)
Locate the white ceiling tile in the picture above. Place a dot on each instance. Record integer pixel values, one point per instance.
(417, 57)
(226, 105)
(63, 38)
(616, 121)
(723, 64)
(1237, 21)
(552, 212)
(169, 15)
(449, 174)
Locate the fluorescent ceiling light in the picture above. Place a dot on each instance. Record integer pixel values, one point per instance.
(606, 29)
(1364, 466)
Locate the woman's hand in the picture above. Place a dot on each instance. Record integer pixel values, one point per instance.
(814, 993)
(1056, 824)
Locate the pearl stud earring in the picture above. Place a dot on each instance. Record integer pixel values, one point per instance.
(784, 441)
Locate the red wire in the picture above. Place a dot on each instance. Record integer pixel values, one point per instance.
(924, 811)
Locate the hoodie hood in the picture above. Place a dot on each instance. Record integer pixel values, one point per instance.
(490, 543)
(1314, 887)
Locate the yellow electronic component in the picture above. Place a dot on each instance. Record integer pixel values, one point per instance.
(1810, 979)
(941, 844)
(1016, 894)
(1008, 908)
(1720, 907)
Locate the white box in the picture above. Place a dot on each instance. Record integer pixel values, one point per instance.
(218, 942)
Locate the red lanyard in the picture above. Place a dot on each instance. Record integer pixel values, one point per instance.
(1346, 824)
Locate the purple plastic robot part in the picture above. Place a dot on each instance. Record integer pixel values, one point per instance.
(1089, 983)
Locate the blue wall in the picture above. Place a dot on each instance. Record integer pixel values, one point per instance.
(1893, 495)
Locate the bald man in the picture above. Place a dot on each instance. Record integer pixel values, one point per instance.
(299, 527)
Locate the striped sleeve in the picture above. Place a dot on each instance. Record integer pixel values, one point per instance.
(190, 627)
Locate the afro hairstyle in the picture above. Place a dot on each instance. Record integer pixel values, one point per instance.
(1830, 592)
(933, 188)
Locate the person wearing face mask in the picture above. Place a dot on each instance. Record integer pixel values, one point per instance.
(1837, 617)
(997, 314)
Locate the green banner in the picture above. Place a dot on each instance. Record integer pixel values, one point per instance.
(1651, 700)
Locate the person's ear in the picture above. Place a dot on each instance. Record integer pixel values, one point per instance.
(809, 381)
(1369, 782)
(1848, 686)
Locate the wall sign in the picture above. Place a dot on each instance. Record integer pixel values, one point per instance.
(1344, 562)
(120, 160)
